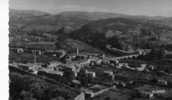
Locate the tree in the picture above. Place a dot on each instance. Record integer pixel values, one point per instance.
(82, 77)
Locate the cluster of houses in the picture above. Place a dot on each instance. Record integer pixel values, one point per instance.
(89, 69)
(87, 62)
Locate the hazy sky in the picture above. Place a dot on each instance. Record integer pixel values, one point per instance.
(136, 7)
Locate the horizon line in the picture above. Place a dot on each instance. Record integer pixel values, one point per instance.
(58, 12)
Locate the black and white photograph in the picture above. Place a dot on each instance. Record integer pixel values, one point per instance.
(90, 49)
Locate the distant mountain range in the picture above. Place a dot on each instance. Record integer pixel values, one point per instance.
(73, 19)
(119, 30)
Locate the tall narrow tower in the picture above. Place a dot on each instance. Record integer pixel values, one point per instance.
(77, 51)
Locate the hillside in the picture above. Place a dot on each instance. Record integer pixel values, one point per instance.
(117, 30)
(124, 33)
(28, 20)
(167, 21)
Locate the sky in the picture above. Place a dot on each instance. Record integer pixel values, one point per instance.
(132, 7)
